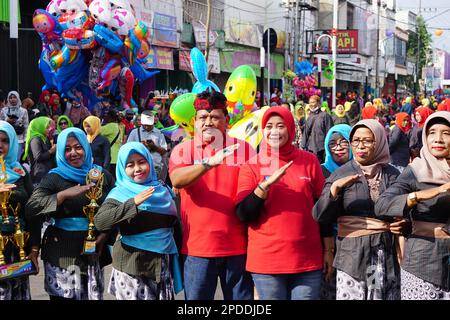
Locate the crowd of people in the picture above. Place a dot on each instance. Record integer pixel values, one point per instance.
(351, 203)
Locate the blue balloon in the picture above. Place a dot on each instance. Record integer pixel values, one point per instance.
(69, 76)
(304, 68)
(140, 72)
(200, 70)
(47, 72)
(108, 39)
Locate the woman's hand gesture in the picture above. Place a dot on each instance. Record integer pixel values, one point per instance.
(339, 184)
(5, 187)
(278, 174)
(144, 195)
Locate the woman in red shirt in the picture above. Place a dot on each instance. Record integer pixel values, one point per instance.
(276, 193)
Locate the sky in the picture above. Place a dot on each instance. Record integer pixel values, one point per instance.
(436, 14)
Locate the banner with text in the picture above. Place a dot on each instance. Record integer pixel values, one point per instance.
(160, 58)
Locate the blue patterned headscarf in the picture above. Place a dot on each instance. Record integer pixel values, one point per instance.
(64, 169)
(344, 131)
(13, 167)
(161, 201)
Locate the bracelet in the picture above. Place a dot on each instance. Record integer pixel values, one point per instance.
(261, 188)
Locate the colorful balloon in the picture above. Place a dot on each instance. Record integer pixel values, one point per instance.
(182, 111)
(240, 91)
(249, 128)
(79, 39)
(200, 69)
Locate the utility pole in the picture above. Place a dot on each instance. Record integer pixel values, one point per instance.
(377, 79)
(208, 27)
(334, 49)
(418, 51)
(296, 33)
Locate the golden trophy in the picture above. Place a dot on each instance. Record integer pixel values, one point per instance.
(19, 238)
(3, 242)
(93, 194)
(4, 196)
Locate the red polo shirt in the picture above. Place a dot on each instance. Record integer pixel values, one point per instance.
(211, 227)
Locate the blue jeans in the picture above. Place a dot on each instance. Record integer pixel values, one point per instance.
(296, 286)
(200, 278)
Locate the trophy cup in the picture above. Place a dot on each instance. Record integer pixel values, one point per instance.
(3, 242)
(4, 196)
(93, 194)
(19, 238)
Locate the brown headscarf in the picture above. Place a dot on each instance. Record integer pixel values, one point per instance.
(427, 168)
(381, 153)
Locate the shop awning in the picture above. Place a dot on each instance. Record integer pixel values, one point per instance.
(4, 10)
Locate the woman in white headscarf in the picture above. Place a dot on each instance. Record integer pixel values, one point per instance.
(17, 116)
(421, 193)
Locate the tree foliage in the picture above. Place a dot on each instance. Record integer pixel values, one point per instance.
(425, 53)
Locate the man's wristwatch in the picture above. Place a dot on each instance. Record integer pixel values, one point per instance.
(205, 163)
(412, 197)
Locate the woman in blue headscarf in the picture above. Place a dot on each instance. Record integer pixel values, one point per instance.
(337, 148)
(145, 259)
(61, 196)
(337, 153)
(19, 183)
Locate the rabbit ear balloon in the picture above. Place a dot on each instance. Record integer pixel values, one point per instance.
(200, 69)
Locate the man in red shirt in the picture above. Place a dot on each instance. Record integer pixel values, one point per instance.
(206, 171)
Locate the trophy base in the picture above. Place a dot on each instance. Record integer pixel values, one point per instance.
(17, 269)
(89, 247)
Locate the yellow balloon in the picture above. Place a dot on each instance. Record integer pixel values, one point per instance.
(438, 32)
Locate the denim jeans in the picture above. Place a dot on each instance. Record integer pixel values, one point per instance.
(200, 278)
(296, 286)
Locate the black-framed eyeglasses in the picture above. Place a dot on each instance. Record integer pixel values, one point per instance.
(63, 123)
(366, 143)
(342, 143)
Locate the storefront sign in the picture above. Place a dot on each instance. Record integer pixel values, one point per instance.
(165, 30)
(243, 33)
(347, 41)
(160, 58)
(234, 56)
(213, 60)
(200, 36)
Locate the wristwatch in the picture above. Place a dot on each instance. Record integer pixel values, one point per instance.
(412, 197)
(205, 163)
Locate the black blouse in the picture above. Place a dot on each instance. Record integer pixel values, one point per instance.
(352, 254)
(61, 248)
(426, 258)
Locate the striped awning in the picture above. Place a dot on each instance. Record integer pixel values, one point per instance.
(4, 10)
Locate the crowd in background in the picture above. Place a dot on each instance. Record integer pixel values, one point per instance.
(350, 203)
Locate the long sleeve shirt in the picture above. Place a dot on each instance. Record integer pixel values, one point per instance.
(352, 254)
(131, 220)
(426, 258)
(61, 248)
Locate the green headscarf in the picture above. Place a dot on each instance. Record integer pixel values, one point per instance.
(325, 107)
(58, 127)
(158, 125)
(36, 128)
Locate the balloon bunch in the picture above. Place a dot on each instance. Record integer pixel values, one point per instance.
(305, 82)
(94, 46)
(240, 91)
